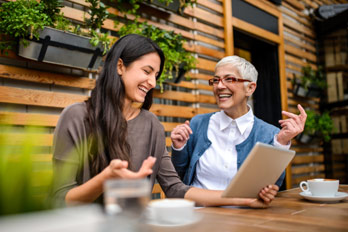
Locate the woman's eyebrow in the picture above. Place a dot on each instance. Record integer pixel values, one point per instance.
(149, 66)
(226, 75)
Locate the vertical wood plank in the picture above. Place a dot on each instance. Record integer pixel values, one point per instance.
(228, 27)
(283, 88)
(331, 87)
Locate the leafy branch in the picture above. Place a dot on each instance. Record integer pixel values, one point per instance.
(169, 42)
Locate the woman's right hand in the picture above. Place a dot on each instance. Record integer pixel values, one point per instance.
(118, 169)
(180, 135)
(257, 203)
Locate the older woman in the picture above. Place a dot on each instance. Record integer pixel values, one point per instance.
(208, 151)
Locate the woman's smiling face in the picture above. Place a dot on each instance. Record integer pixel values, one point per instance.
(140, 76)
(232, 98)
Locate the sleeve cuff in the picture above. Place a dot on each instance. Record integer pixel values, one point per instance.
(277, 144)
(178, 149)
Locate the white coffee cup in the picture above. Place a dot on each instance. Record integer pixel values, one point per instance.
(171, 211)
(320, 187)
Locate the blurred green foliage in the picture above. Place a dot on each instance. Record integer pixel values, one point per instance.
(319, 125)
(24, 180)
(312, 77)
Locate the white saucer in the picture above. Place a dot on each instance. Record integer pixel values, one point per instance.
(196, 218)
(338, 197)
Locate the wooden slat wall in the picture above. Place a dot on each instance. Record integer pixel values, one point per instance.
(32, 93)
(300, 50)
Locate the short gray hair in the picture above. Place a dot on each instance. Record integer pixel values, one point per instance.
(245, 68)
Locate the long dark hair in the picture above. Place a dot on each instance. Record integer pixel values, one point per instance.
(108, 132)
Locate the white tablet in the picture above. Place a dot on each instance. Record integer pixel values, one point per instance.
(263, 166)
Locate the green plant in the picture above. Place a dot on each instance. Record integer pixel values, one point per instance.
(131, 6)
(325, 126)
(185, 3)
(311, 122)
(52, 9)
(127, 6)
(24, 181)
(98, 14)
(169, 42)
(319, 125)
(20, 18)
(311, 77)
(101, 38)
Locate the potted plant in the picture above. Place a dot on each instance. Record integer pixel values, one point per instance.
(178, 60)
(131, 6)
(176, 6)
(318, 126)
(311, 83)
(31, 23)
(172, 5)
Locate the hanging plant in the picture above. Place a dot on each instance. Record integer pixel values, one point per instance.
(20, 17)
(311, 83)
(131, 6)
(177, 58)
(45, 35)
(317, 126)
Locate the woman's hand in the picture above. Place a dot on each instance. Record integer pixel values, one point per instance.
(257, 204)
(268, 193)
(92, 189)
(292, 126)
(180, 135)
(118, 169)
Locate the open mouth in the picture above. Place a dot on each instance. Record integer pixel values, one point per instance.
(224, 96)
(145, 90)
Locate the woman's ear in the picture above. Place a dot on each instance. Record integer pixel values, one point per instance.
(120, 67)
(250, 89)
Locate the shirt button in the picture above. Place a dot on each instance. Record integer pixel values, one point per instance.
(226, 166)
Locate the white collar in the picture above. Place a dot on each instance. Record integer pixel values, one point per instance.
(242, 122)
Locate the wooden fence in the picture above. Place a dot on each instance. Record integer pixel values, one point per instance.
(33, 93)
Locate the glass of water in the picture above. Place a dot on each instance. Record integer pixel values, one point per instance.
(127, 198)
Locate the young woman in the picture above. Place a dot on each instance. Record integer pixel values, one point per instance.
(109, 137)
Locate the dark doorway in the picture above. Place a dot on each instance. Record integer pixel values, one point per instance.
(264, 56)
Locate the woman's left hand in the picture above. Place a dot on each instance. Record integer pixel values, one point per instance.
(291, 126)
(118, 169)
(268, 193)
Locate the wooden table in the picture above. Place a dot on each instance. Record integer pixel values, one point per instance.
(288, 212)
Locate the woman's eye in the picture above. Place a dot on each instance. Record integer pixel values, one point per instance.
(146, 71)
(229, 79)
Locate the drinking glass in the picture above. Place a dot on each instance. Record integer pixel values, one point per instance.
(126, 198)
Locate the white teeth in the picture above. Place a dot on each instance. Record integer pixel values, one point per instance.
(225, 95)
(143, 89)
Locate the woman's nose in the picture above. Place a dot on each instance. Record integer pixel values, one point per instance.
(152, 81)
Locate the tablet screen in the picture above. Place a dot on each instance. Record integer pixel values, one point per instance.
(263, 166)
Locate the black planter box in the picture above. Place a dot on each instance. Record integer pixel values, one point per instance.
(307, 139)
(173, 6)
(63, 48)
(311, 91)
